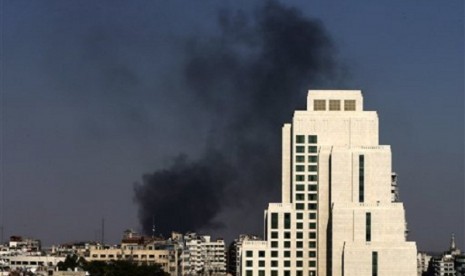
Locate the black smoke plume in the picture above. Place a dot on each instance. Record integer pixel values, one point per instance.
(249, 78)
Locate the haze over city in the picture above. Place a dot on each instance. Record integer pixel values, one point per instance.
(101, 100)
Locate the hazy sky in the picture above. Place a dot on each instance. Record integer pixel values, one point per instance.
(93, 98)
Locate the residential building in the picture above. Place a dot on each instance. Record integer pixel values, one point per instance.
(234, 253)
(337, 215)
(423, 263)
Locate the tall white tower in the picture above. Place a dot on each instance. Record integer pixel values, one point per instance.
(337, 216)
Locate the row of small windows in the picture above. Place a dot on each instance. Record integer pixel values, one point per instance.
(299, 235)
(286, 272)
(300, 139)
(311, 197)
(301, 168)
(301, 188)
(301, 159)
(334, 105)
(299, 244)
(286, 263)
(301, 177)
(301, 149)
(310, 206)
(275, 254)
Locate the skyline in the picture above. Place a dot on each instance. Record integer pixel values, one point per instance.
(93, 99)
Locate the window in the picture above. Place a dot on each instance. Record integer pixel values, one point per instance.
(287, 263)
(299, 215)
(312, 168)
(312, 197)
(299, 158)
(298, 264)
(300, 139)
(274, 244)
(287, 254)
(274, 235)
(312, 177)
(274, 263)
(261, 263)
(299, 254)
(300, 177)
(287, 221)
(312, 225)
(312, 187)
(299, 244)
(300, 188)
(312, 244)
(300, 196)
(361, 178)
(300, 168)
(300, 149)
(274, 254)
(312, 206)
(312, 139)
(299, 206)
(334, 105)
(349, 105)
(299, 273)
(299, 235)
(312, 264)
(312, 149)
(261, 254)
(299, 225)
(287, 244)
(274, 220)
(249, 263)
(312, 215)
(261, 273)
(287, 235)
(274, 273)
(312, 254)
(368, 227)
(374, 263)
(312, 158)
(319, 105)
(249, 273)
(312, 235)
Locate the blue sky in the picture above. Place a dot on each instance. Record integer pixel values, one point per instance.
(91, 102)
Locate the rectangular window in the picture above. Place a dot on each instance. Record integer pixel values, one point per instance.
(274, 263)
(361, 178)
(261, 263)
(261, 273)
(300, 168)
(349, 105)
(300, 188)
(312, 254)
(300, 139)
(274, 244)
(300, 177)
(300, 158)
(312, 187)
(312, 139)
(312, 235)
(287, 235)
(274, 235)
(319, 105)
(312, 158)
(312, 264)
(299, 215)
(312, 206)
(299, 225)
(300, 149)
(299, 244)
(274, 220)
(261, 254)
(312, 177)
(274, 273)
(299, 235)
(368, 227)
(287, 254)
(312, 244)
(298, 264)
(311, 196)
(249, 263)
(287, 273)
(299, 273)
(287, 221)
(299, 206)
(274, 254)
(300, 196)
(312, 149)
(334, 105)
(374, 263)
(312, 215)
(249, 273)
(312, 225)
(312, 168)
(249, 253)
(287, 263)
(299, 254)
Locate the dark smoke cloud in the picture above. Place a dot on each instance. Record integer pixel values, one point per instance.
(249, 79)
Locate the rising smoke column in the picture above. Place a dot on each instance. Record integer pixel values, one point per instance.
(249, 78)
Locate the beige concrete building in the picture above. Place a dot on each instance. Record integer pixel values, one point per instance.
(337, 215)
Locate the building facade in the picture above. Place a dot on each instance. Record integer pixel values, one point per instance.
(338, 215)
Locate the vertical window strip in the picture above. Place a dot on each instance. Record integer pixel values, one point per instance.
(374, 263)
(368, 227)
(361, 178)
